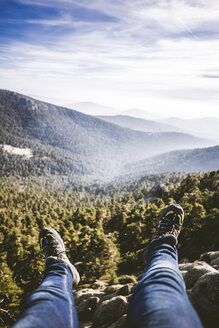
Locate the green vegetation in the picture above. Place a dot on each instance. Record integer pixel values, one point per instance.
(105, 227)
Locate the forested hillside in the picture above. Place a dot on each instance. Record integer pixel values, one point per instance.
(190, 160)
(67, 142)
(105, 227)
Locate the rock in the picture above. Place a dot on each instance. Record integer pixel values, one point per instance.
(183, 273)
(185, 266)
(214, 255)
(183, 261)
(112, 288)
(205, 295)
(189, 294)
(197, 270)
(116, 290)
(215, 261)
(119, 323)
(209, 256)
(124, 291)
(110, 310)
(107, 307)
(98, 284)
(111, 291)
(86, 308)
(86, 293)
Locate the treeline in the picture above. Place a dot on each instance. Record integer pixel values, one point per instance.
(43, 163)
(105, 228)
(46, 160)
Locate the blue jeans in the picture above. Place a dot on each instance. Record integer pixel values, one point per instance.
(159, 299)
(52, 304)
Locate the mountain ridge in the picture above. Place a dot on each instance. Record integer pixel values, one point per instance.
(84, 143)
(204, 127)
(189, 160)
(139, 124)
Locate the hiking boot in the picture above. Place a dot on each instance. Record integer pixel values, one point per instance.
(170, 222)
(52, 245)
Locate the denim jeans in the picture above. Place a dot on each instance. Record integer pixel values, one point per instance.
(159, 299)
(52, 304)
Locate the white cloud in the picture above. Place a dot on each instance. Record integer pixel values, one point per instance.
(153, 57)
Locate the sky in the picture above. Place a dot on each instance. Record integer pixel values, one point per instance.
(160, 56)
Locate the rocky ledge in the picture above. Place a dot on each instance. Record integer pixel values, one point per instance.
(107, 307)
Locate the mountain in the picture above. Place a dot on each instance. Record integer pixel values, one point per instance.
(192, 160)
(92, 108)
(64, 141)
(139, 124)
(205, 127)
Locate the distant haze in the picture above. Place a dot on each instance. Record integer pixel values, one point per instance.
(207, 127)
(91, 108)
(201, 127)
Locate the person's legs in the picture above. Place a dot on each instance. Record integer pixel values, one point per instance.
(52, 304)
(160, 299)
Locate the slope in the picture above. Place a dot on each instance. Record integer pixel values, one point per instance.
(139, 124)
(194, 160)
(65, 141)
(205, 127)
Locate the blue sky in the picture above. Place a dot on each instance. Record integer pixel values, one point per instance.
(155, 55)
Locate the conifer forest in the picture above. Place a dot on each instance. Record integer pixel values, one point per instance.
(105, 227)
